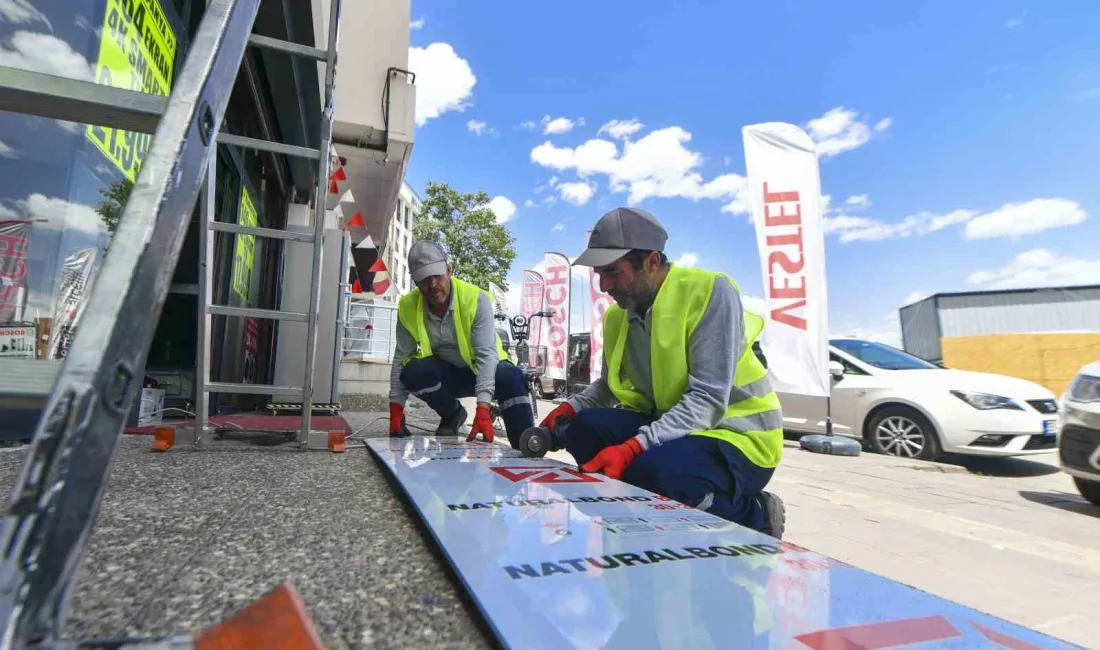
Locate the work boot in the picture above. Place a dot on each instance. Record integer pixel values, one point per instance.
(775, 514)
(449, 426)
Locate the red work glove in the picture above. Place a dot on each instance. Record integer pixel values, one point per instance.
(483, 424)
(397, 420)
(551, 420)
(613, 461)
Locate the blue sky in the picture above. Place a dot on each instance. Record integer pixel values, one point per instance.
(957, 146)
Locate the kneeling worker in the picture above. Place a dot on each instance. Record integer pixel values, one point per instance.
(701, 423)
(447, 347)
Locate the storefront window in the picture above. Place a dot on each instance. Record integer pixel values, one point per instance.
(62, 185)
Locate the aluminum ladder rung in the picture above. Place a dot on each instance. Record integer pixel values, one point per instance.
(82, 102)
(287, 47)
(251, 389)
(270, 233)
(268, 145)
(247, 312)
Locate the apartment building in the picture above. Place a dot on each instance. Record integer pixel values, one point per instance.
(398, 240)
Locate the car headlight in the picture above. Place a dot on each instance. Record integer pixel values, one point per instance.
(986, 402)
(1085, 388)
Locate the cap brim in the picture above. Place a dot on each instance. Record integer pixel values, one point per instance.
(428, 270)
(597, 257)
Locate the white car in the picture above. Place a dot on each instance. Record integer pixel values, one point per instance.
(902, 405)
(1079, 432)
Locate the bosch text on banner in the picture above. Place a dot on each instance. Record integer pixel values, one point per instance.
(557, 300)
(137, 51)
(786, 201)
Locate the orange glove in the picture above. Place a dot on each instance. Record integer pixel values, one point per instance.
(483, 424)
(564, 409)
(613, 461)
(397, 421)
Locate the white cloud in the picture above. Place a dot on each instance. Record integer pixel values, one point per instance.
(851, 228)
(1039, 267)
(914, 296)
(655, 166)
(858, 201)
(620, 129)
(841, 130)
(1018, 219)
(576, 193)
(47, 54)
(558, 227)
(687, 259)
(529, 204)
(21, 12)
(444, 81)
(476, 127)
(530, 125)
(557, 125)
(7, 151)
(61, 214)
(503, 208)
(416, 24)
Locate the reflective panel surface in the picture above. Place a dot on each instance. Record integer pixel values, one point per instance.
(556, 558)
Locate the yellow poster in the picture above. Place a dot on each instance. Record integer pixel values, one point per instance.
(245, 253)
(136, 52)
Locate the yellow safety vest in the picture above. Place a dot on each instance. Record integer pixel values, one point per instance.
(410, 312)
(752, 421)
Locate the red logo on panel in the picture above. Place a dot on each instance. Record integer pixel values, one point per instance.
(544, 474)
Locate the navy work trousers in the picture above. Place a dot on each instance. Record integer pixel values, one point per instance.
(440, 384)
(699, 471)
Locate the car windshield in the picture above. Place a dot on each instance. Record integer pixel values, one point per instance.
(882, 356)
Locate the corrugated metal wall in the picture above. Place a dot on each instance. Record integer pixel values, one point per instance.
(1023, 312)
(920, 330)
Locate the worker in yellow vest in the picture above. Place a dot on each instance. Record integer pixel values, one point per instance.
(447, 347)
(698, 420)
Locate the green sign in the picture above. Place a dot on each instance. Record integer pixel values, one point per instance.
(136, 52)
(245, 253)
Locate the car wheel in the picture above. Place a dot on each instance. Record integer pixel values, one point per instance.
(903, 432)
(1088, 489)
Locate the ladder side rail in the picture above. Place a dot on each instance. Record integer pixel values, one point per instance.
(320, 205)
(57, 495)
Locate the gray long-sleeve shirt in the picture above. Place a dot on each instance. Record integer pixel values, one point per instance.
(444, 340)
(715, 348)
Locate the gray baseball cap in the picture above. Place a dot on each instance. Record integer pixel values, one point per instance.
(620, 231)
(426, 258)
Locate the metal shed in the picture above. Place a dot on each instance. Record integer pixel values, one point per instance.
(1009, 311)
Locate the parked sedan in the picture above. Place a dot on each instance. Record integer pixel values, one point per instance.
(1079, 432)
(902, 405)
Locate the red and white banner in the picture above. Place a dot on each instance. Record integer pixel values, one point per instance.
(786, 205)
(14, 244)
(533, 300)
(557, 300)
(77, 274)
(600, 302)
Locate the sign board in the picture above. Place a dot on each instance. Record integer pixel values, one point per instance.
(244, 255)
(137, 51)
(18, 341)
(555, 558)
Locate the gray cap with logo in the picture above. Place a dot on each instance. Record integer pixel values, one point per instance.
(426, 258)
(620, 231)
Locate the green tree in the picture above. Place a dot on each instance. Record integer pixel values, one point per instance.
(114, 200)
(481, 250)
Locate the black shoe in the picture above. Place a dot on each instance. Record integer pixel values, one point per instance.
(450, 426)
(775, 514)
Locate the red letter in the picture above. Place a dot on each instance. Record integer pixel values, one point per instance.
(782, 316)
(783, 219)
(787, 292)
(783, 260)
(779, 197)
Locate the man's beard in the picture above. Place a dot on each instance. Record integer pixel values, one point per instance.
(637, 298)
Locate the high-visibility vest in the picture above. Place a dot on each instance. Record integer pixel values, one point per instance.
(464, 296)
(753, 421)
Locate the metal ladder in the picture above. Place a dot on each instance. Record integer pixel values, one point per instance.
(56, 497)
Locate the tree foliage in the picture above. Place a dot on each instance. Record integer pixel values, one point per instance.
(114, 200)
(481, 250)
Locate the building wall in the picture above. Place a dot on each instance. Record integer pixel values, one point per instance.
(1051, 360)
(920, 329)
(1020, 312)
(399, 238)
